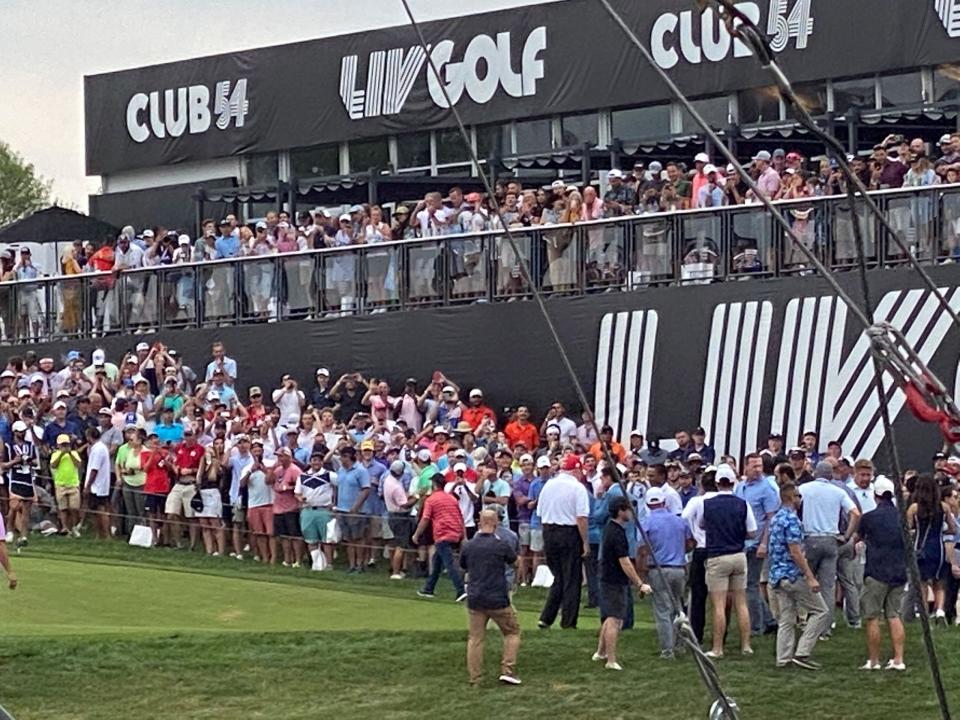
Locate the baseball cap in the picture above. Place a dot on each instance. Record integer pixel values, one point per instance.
(63, 439)
(59, 405)
(19, 426)
(283, 451)
(939, 456)
(615, 173)
(142, 346)
(762, 155)
(98, 357)
(655, 496)
(558, 185)
(261, 225)
(526, 457)
(779, 152)
(183, 240)
(636, 433)
(148, 233)
(571, 462)
(460, 467)
(345, 217)
(847, 459)
(953, 460)
(543, 461)
(476, 392)
(694, 456)
(356, 208)
(449, 389)
(473, 197)
(707, 169)
(701, 157)
(36, 377)
(397, 467)
(797, 452)
(882, 485)
(440, 430)
(794, 156)
(366, 445)
(23, 392)
(73, 355)
(323, 371)
(423, 455)
(725, 472)
(254, 391)
(946, 139)
(8, 374)
(656, 166)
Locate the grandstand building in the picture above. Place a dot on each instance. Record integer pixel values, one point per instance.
(547, 90)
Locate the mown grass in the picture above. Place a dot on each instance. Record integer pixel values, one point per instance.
(113, 632)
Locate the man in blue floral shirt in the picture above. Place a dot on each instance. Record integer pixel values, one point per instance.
(794, 585)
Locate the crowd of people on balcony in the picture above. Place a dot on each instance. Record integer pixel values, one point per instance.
(471, 264)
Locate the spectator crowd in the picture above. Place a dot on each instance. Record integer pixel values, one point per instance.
(344, 470)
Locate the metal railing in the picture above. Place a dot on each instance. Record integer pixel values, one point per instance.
(623, 254)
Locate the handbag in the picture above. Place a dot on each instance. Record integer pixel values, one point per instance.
(142, 536)
(196, 502)
(333, 532)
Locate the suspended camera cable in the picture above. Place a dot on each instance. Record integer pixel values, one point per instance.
(749, 33)
(706, 667)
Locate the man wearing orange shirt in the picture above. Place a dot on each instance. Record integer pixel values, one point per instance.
(476, 412)
(606, 439)
(522, 430)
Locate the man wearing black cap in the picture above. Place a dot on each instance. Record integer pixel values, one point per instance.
(775, 448)
(798, 461)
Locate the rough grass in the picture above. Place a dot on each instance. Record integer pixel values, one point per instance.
(113, 632)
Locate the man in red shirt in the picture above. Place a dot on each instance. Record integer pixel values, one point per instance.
(477, 412)
(154, 461)
(188, 456)
(520, 429)
(443, 512)
(286, 510)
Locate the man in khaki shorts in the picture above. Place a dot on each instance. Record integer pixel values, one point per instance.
(65, 465)
(728, 522)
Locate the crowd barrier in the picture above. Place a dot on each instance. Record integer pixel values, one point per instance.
(623, 254)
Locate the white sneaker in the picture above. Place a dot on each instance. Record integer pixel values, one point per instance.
(461, 597)
(870, 666)
(9, 537)
(285, 563)
(214, 554)
(891, 665)
(296, 565)
(613, 666)
(597, 657)
(397, 576)
(510, 679)
(76, 532)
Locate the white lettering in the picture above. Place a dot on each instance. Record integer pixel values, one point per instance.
(440, 56)
(199, 109)
(713, 37)
(135, 127)
(531, 67)
(688, 45)
(156, 124)
(482, 47)
(666, 57)
(175, 113)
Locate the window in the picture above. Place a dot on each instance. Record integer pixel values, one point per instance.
(814, 98)
(262, 169)
(320, 161)
(533, 136)
(716, 111)
(906, 89)
(759, 105)
(413, 150)
(366, 154)
(946, 83)
(579, 129)
(493, 140)
(860, 93)
(642, 122)
(450, 147)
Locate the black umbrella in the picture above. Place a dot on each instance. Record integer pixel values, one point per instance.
(57, 224)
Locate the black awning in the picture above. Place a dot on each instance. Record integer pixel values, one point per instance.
(57, 224)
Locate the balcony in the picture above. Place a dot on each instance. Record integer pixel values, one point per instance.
(730, 244)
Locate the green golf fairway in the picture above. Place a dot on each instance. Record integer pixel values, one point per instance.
(62, 598)
(104, 631)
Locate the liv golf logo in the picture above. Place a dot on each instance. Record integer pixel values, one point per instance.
(484, 67)
(949, 12)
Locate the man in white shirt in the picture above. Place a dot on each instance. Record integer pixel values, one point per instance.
(289, 399)
(96, 485)
(564, 509)
(657, 477)
(431, 216)
(557, 415)
(862, 485)
(698, 567)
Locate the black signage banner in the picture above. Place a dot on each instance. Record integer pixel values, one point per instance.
(740, 359)
(538, 60)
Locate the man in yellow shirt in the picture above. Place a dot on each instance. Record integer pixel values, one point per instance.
(65, 467)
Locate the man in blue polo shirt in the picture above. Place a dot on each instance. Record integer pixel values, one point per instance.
(764, 501)
(168, 432)
(59, 426)
(227, 244)
(353, 487)
(668, 536)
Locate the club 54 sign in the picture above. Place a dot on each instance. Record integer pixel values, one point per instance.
(703, 37)
(484, 67)
(186, 110)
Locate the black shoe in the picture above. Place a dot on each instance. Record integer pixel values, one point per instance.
(771, 629)
(542, 625)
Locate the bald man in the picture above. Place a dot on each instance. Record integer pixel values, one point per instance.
(485, 559)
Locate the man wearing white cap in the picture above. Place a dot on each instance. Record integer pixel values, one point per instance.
(700, 177)
(710, 194)
(885, 575)
(665, 537)
(619, 199)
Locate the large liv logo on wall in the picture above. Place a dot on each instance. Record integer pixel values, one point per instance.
(949, 13)
(815, 382)
(484, 67)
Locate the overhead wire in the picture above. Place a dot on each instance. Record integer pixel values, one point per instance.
(706, 667)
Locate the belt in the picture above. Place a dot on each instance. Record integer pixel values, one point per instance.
(674, 567)
(554, 525)
(185, 482)
(318, 507)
